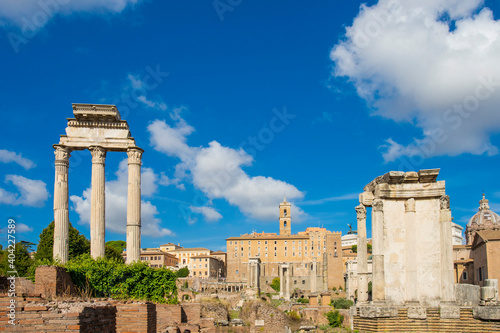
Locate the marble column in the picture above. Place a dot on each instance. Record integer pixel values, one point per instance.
(287, 283)
(61, 213)
(447, 281)
(362, 255)
(134, 205)
(312, 275)
(411, 293)
(378, 290)
(280, 267)
(97, 203)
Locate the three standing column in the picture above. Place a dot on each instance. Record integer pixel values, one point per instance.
(97, 203)
(61, 213)
(134, 205)
(362, 255)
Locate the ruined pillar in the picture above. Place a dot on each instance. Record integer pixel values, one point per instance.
(134, 205)
(411, 295)
(61, 213)
(362, 255)
(280, 269)
(287, 283)
(312, 275)
(378, 284)
(97, 203)
(447, 282)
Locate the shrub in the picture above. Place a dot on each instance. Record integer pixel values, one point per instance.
(303, 300)
(275, 284)
(112, 278)
(342, 303)
(183, 272)
(293, 315)
(335, 319)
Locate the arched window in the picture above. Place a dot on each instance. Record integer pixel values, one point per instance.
(284, 212)
(285, 224)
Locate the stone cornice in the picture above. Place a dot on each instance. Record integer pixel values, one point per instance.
(121, 124)
(96, 111)
(406, 191)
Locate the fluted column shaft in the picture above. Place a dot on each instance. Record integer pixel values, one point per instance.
(97, 203)
(378, 284)
(134, 205)
(61, 213)
(362, 255)
(411, 294)
(281, 280)
(447, 282)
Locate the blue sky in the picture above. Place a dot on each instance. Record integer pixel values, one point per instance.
(238, 102)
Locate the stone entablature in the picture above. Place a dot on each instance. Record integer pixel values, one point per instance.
(98, 128)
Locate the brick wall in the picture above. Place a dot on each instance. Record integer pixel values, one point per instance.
(39, 317)
(191, 313)
(432, 324)
(51, 281)
(135, 317)
(167, 315)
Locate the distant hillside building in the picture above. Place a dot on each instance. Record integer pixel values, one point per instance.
(312, 258)
(156, 258)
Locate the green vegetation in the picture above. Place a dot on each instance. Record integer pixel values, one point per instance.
(293, 315)
(354, 248)
(303, 300)
(118, 245)
(335, 319)
(183, 272)
(16, 256)
(275, 284)
(78, 243)
(341, 303)
(112, 253)
(112, 278)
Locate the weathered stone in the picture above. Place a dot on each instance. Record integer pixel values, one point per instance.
(467, 294)
(487, 312)
(378, 311)
(449, 312)
(417, 312)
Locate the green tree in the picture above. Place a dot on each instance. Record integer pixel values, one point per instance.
(78, 243)
(354, 248)
(118, 245)
(275, 284)
(15, 258)
(341, 303)
(335, 319)
(183, 272)
(112, 253)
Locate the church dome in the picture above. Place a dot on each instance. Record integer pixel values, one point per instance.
(485, 216)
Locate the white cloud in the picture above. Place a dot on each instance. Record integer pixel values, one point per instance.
(28, 13)
(7, 156)
(432, 63)
(31, 192)
(209, 213)
(217, 171)
(139, 91)
(116, 203)
(351, 196)
(23, 228)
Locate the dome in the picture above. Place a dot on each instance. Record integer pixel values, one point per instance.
(485, 216)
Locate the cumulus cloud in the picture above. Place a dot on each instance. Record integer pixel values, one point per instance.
(431, 63)
(116, 203)
(7, 156)
(37, 13)
(217, 171)
(31, 192)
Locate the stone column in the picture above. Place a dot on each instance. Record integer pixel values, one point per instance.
(312, 275)
(280, 268)
(61, 213)
(362, 256)
(378, 283)
(411, 293)
(447, 282)
(287, 283)
(97, 203)
(134, 205)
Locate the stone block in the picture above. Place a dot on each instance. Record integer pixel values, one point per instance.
(259, 322)
(449, 312)
(486, 312)
(378, 311)
(417, 312)
(467, 294)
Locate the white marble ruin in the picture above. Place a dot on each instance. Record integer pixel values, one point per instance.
(99, 129)
(412, 240)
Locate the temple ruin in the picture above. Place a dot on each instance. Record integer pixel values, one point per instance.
(98, 128)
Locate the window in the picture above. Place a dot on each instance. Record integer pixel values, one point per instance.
(275, 242)
(294, 281)
(241, 242)
(194, 273)
(241, 254)
(231, 243)
(275, 248)
(241, 249)
(236, 254)
(303, 281)
(293, 248)
(236, 271)
(275, 254)
(265, 242)
(464, 275)
(284, 213)
(285, 248)
(249, 255)
(266, 254)
(206, 273)
(334, 243)
(248, 242)
(258, 243)
(285, 254)
(258, 249)
(299, 248)
(286, 242)
(293, 254)
(300, 254)
(206, 265)
(305, 242)
(266, 248)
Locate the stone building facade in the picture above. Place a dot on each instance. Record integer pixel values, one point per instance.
(311, 259)
(206, 267)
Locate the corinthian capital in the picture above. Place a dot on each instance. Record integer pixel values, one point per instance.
(361, 212)
(62, 153)
(134, 155)
(378, 205)
(98, 154)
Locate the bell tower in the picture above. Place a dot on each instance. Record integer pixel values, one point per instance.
(285, 218)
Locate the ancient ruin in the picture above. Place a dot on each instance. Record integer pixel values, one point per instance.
(99, 129)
